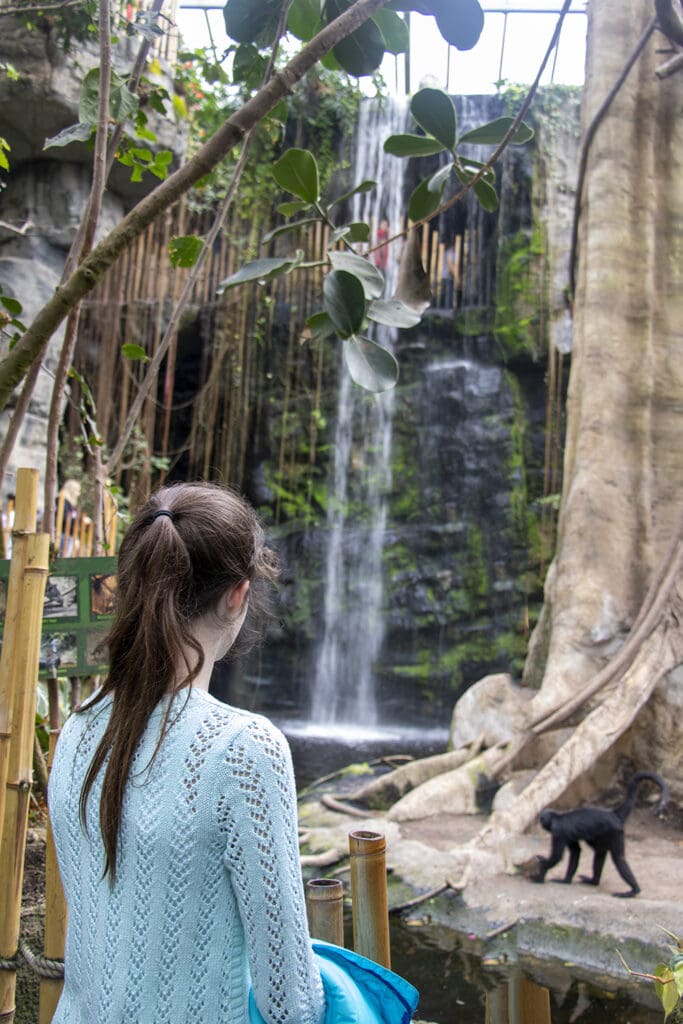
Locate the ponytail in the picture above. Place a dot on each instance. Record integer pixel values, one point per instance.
(186, 548)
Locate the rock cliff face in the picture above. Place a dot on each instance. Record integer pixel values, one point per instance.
(46, 191)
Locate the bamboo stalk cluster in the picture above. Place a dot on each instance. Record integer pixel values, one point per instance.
(18, 676)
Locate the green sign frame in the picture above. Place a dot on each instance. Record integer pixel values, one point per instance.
(77, 611)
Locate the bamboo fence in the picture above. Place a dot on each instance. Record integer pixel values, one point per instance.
(217, 364)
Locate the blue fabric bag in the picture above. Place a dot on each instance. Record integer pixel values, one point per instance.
(357, 990)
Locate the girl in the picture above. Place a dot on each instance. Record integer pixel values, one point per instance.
(174, 815)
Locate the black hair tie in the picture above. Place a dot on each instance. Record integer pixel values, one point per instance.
(163, 512)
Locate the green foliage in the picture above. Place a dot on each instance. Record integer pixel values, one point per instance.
(519, 296)
(11, 327)
(254, 22)
(297, 171)
(124, 109)
(371, 366)
(667, 977)
(135, 353)
(185, 251)
(434, 112)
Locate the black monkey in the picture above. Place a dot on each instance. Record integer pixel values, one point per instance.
(602, 829)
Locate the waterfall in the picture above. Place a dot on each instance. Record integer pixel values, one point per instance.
(343, 681)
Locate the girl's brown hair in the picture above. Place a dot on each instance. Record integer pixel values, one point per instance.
(172, 569)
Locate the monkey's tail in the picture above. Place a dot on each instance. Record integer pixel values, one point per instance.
(624, 809)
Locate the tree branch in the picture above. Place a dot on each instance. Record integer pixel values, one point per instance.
(90, 220)
(16, 363)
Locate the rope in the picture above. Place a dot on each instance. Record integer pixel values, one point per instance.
(40, 965)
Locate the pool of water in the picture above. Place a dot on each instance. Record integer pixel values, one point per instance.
(458, 985)
(319, 750)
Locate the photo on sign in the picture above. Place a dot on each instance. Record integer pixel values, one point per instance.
(102, 593)
(95, 649)
(58, 651)
(61, 598)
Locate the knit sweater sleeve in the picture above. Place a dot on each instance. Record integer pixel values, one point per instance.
(256, 807)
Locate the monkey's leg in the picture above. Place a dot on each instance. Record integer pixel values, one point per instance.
(574, 855)
(617, 852)
(598, 864)
(546, 863)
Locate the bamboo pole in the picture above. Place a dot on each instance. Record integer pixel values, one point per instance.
(24, 665)
(325, 910)
(55, 905)
(370, 910)
(25, 519)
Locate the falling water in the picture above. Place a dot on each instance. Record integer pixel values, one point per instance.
(343, 680)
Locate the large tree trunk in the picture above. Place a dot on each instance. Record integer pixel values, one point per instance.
(623, 469)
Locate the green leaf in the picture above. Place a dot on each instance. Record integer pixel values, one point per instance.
(487, 195)
(439, 179)
(392, 313)
(365, 186)
(134, 352)
(297, 172)
(476, 165)
(665, 988)
(74, 133)
(185, 250)
(493, 132)
(249, 66)
(318, 327)
(412, 145)
(394, 31)
(249, 21)
(344, 301)
(122, 102)
(434, 112)
(264, 269)
(362, 52)
(459, 21)
(358, 231)
(371, 366)
(88, 100)
(12, 306)
(423, 202)
(289, 209)
(677, 969)
(368, 274)
(285, 228)
(303, 19)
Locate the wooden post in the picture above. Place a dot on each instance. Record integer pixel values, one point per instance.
(369, 896)
(55, 906)
(528, 1003)
(325, 910)
(18, 676)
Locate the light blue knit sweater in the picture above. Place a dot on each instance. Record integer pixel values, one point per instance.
(208, 894)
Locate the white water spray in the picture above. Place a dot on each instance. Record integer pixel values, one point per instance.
(343, 684)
